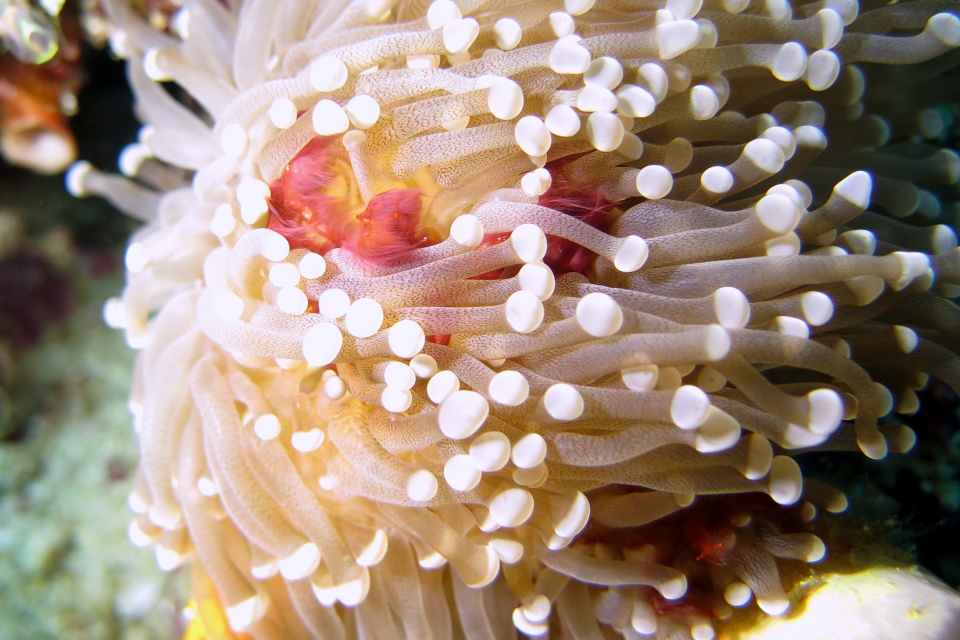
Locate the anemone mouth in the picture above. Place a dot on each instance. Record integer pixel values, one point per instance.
(503, 311)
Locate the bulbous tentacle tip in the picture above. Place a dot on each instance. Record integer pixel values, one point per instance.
(874, 448)
(946, 27)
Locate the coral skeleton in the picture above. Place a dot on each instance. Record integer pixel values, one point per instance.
(486, 317)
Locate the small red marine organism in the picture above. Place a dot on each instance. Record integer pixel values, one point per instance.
(316, 205)
(586, 202)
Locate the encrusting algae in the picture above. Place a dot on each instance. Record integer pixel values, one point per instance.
(40, 77)
(489, 316)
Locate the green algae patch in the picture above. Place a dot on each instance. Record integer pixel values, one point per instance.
(67, 569)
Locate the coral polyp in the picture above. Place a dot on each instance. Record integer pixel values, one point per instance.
(483, 317)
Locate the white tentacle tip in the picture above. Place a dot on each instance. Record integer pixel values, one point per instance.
(569, 57)
(790, 62)
(307, 441)
(505, 99)
(529, 451)
(785, 480)
(364, 318)
(605, 131)
(508, 33)
(578, 7)
(74, 178)
(460, 473)
(396, 400)
(459, 35)
(716, 180)
(490, 451)
(333, 303)
(538, 279)
(737, 594)
(529, 242)
(533, 477)
(374, 552)
(312, 266)
(462, 413)
(654, 181)
(267, 427)
(423, 365)
(422, 486)
(441, 385)
(512, 507)
(153, 66)
(946, 27)
(704, 102)
(467, 231)
(575, 519)
(719, 432)
(223, 222)
(874, 448)
(283, 113)
(241, 616)
(674, 588)
(334, 387)
(292, 301)
(328, 74)
(406, 339)
(562, 121)
(535, 183)
(441, 12)
(527, 627)
(329, 118)
(855, 189)
(823, 69)
(509, 551)
(689, 407)
(322, 344)
(632, 254)
(563, 402)
(641, 378)
(524, 311)
(301, 563)
(818, 550)
(362, 111)
(676, 37)
(137, 536)
(233, 140)
(533, 136)
(509, 388)
(599, 315)
(354, 592)
(826, 410)
(635, 102)
(731, 308)
(773, 606)
(399, 376)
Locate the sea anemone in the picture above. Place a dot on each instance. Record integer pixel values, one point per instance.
(468, 303)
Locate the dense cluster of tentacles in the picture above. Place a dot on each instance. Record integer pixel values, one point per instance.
(453, 281)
